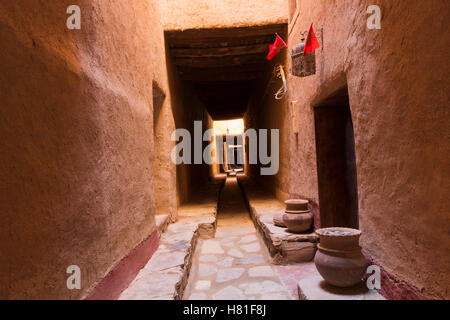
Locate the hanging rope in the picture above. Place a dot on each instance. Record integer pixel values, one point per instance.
(278, 72)
(283, 90)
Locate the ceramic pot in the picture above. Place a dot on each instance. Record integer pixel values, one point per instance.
(339, 259)
(296, 206)
(278, 219)
(298, 223)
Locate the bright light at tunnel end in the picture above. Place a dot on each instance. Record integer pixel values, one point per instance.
(224, 127)
(255, 143)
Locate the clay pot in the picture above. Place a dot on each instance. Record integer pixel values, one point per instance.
(339, 259)
(278, 219)
(296, 217)
(296, 206)
(298, 223)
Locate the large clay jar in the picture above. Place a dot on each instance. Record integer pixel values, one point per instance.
(339, 259)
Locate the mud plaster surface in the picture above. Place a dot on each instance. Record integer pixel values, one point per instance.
(398, 97)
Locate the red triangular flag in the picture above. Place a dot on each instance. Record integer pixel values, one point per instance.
(276, 47)
(311, 42)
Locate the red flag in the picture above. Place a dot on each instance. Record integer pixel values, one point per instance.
(276, 47)
(311, 42)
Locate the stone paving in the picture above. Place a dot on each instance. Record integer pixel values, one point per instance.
(285, 247)
(194, 263)
(235, 264)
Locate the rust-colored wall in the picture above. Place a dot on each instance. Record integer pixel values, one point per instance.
(398, 90)
(76, 164)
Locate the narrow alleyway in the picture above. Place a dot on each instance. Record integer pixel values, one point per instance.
(121, 122)
(235, 264)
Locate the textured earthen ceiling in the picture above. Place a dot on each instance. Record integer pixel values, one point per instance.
(223, 63)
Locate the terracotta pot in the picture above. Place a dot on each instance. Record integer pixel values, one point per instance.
(296, 206)
(339, 259)
(278, 219)
(298, 223)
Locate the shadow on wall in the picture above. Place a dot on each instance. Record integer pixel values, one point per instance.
(161, 189)
(186, 108)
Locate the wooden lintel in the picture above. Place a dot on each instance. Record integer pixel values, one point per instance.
(219, 51)
(226, 61)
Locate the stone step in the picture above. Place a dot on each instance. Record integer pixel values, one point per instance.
(285, 247)
(165, 275)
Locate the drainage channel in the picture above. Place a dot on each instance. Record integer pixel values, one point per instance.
(235, 264)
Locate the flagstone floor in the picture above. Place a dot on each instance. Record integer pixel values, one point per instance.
(235, 264)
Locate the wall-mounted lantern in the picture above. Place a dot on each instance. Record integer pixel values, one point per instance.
(304, 65)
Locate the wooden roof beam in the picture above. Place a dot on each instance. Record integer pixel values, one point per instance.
(226, 61)
(219, 51)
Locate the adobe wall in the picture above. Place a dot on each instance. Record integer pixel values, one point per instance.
(266, 112)
(193, 14)
(164, 171)
(187, 108)
(77, 147)
(398, 89)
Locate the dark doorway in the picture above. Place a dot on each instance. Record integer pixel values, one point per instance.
(336, 162)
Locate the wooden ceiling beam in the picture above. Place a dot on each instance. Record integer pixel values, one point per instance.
(233, 73)
(200, 43)
(222, 77)
(223, 63)
(251, 67)
(219, 51)
(226, 61)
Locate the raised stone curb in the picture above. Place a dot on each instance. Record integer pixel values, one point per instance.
(284, 247)
(165, 275)
(162, 222)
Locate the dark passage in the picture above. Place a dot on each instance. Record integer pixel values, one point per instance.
(336, 164)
